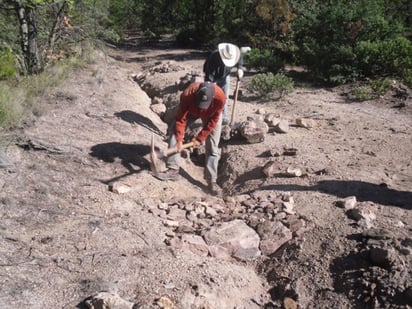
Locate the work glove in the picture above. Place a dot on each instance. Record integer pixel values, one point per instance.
(195, 142)
(240, 74)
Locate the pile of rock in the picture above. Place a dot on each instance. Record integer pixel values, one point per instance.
(243, 227)
(387, 274)
(388, 278)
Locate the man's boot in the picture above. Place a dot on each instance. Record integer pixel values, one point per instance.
(215, 189)
(169, 174)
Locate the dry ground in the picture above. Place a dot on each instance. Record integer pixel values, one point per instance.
(65, 235)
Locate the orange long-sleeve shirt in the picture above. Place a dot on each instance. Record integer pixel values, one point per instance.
(188, 107)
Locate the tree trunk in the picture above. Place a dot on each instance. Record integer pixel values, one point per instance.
(28, 33)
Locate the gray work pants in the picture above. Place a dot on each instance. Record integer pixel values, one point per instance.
(225, 85)
(212, 151)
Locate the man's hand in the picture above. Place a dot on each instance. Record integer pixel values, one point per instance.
(195, 142)
(240, 74)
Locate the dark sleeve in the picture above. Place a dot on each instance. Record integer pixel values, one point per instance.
(239, 64)
(213, 67)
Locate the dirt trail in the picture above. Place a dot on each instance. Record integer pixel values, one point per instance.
(65, 235)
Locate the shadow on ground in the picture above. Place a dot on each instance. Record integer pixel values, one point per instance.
(135, 118)
(127, 154)
(364, 191)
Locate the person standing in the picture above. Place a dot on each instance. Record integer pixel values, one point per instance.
(218, 66)
(204, 100)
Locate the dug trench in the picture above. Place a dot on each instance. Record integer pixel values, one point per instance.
(315, 215)
(262, 178)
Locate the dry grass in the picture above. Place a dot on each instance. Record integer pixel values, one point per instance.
(21, 100)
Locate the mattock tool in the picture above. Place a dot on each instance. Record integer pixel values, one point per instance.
(156, 156)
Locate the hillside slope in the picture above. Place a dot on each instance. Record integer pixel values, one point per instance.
(81, 212)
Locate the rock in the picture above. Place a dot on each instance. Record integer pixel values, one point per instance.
(105, 300)
(185, 227)
(347, 203)
(306, 123)
(290, 151)
(237, 237)
(261, 111)
(199, 207)
(294, 224)
(289, 303)
(163, 206)
(270, 169)
(159, 109)
(273, 236)
(287, 207)
(165, 303)
(176, 214)
(210, 212)
(272, 120)
(245, 254)
(382, 257)
(242, 197)
(120, 188)
(219, 252)
(171, 223)
(362, 212)
(293, 172)
(282, 126)
(275, 152)
(376, 233)
(365, 223)
(156, 101)
(158, 213)
(253, 130)
(194, 244)
(174, 242)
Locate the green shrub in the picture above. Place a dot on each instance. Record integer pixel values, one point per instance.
(387, 57)
(380, 86)
(268, 84)
(264, 60)
(362, 93)
(371, 90)
(340, 42)
(7, 64)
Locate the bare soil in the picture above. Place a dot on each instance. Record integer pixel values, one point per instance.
(68, 231)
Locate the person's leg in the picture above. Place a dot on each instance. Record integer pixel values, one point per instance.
(213, 156)
(172, 162)
(225, 85)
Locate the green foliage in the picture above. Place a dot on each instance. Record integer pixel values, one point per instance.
(7, 64)
(341, 42)
(21, 100)
(267, 84)
(371, 89)
(263, 60)
(380, 86)
(12, 105)
(362, 93)
(386, 57)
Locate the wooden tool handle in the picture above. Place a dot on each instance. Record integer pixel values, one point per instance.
(174, 149)
(234, 103)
